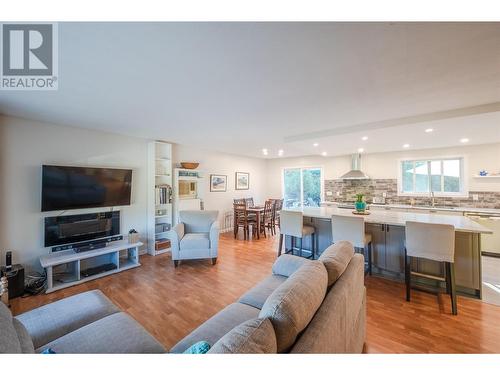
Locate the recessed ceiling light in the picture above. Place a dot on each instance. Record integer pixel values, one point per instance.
(464, 140)
(315, 144)
(360, 150)
(280, 152)
(324, 153)
(406, 145)
(264, 151)
(429, 130)
(365, 138)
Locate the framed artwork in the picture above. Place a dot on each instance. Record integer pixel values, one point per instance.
(242, 181)
(218, 182)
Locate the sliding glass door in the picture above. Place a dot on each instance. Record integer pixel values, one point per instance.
(302, 187)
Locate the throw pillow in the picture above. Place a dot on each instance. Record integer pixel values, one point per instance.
(201, 347)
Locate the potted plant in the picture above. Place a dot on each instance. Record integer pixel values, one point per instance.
(360, 203)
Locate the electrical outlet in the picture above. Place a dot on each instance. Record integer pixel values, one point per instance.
(475, 197)
(384, 194)
(338, 193)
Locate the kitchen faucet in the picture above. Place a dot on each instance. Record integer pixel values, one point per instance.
(433, 200)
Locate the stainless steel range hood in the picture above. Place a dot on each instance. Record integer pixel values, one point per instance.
(355, 173)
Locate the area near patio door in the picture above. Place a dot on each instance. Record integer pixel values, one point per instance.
(302, 187)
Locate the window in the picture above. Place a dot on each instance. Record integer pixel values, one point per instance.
(302, 187)
(442, 177)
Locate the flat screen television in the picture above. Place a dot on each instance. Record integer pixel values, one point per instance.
(67, 188)
(60, 230)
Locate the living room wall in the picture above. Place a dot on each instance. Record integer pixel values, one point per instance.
(212, 162)
(25, 145)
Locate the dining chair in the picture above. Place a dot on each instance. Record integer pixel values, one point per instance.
(266, 219)
(249, 202)
(278, 206)
(243, 219)
(435, 242)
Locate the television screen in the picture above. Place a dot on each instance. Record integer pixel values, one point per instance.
(60, 230)
(66, 188)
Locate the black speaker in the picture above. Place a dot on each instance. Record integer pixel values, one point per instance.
(15, 278)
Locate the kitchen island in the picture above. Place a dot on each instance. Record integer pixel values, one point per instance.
(388, 235)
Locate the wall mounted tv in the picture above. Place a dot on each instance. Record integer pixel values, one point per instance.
(67, 188)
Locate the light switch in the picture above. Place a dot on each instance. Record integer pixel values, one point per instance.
(475, 197)
(338, 193)
(329, 193)
(384, 194)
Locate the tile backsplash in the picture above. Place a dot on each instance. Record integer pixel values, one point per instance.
(347, 190)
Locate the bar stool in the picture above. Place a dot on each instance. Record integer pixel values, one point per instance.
(292, 224)
(434, 242)
(352, 229)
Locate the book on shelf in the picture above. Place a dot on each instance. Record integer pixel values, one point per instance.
(163, 194)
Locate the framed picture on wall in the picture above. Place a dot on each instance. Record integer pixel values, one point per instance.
(242, 181)
(218, 182)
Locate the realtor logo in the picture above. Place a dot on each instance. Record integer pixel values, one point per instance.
(29, 57)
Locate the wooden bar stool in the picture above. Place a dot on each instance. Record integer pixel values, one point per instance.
(352, 229)
(292, 224)
(434, 242)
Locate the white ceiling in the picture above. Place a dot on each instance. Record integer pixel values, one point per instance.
(241, 87)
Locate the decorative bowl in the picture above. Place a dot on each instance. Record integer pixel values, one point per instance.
(189, 165)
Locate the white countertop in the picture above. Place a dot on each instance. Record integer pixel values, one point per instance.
(440, 208)
(461, 223)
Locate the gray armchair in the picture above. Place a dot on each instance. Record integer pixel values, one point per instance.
(196, 236)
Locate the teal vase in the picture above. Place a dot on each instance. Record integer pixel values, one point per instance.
(360, 206)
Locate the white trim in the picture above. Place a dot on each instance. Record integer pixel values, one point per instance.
(464, 182)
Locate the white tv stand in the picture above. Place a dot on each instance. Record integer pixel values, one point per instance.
(64, 267)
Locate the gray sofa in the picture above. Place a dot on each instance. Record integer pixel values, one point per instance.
(84, 323)
(304, 306)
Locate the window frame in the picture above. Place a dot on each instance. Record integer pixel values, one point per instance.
(464, 191)
(301, 168)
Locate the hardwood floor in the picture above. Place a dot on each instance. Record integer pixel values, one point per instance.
(170, 302)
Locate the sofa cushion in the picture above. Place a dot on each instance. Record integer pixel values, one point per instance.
(9, 340)
(24, 337)
(293, 304)
(255, 336)
(336, 258)
(196, 221)
(115, 333)
(287, 264)
(194, 241)
(217, 326)
(47, 323)
(258, 294)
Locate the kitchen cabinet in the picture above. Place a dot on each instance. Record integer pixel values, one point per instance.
(387, 247)
(394, 248)
(378, 244)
